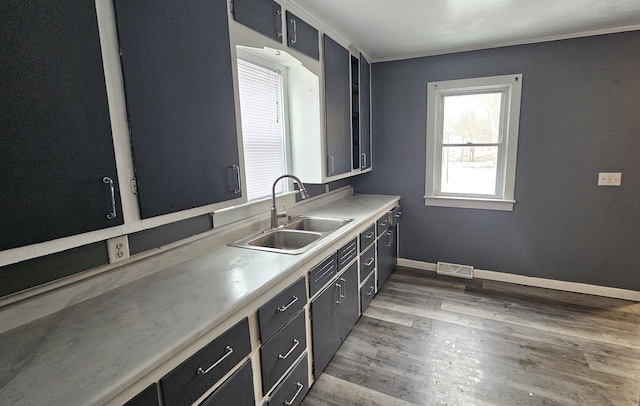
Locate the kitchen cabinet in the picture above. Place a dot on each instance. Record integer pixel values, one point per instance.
(263, 16)
(364, 87)
(322, 273)
(148, 397)
(58, 163)
(280, 352)
(367, 291)
(387, 253)
(293, 388)
(355, 112)
(302, 36)
(237, 390)
(337, 87)
(277, 312)
(193, 377)
(334, 312)
(177, 70)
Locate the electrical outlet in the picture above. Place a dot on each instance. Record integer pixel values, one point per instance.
(609, 178)
(118, 249)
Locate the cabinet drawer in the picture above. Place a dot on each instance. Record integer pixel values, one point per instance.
(322, 273)
(189, 380)
(396, 215)
(347, 252)
(367, 291)
(367, 262)
(279, 353)
(293, 388)
(383, 223)
(367, 237)
(148, 397)
(278, 311)
(236, 391)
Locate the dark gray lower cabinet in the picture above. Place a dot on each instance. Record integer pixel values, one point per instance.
(333, 314)
(236, 391)
(148, 397)
(387, 254)
(367, 291)
(292, 388)
(191, 379)
(279, 353)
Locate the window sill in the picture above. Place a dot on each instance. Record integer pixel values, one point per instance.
(469, 203)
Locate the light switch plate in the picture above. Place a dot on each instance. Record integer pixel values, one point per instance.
(609, 178)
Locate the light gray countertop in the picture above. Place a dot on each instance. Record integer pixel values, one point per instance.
(88, 353)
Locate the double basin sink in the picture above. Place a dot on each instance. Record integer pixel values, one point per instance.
(295, 237)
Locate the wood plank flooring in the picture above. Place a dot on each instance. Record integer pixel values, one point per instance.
(433, 340)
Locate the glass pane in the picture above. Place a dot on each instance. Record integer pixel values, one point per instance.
(469, 170)
(262, 128)
(472, 118)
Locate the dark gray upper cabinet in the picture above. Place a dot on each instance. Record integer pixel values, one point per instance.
(337, 107)
(263, 16)
(302, 36)
(57, 162)
(177, 70)
(365, 113)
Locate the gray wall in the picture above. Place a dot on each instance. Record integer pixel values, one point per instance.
(580, 115)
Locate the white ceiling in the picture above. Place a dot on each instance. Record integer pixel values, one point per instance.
(396, 29)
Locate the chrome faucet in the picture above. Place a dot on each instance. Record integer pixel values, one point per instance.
(274, 212)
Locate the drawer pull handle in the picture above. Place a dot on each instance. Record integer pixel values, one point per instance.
(285, 307)
(344, 285)
(228, 351)
(339, 287)
(295, 345)
(371, 290)
(368, 236)
(293, 399)
(369, 262)
(108, 181)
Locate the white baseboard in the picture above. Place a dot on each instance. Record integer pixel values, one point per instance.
(537, 282)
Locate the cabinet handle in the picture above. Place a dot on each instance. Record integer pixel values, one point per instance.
(384, 223)
(344, 284)
(368, 236)
(295, 344)
(295, 31)
(369, 262)
(371, 290)
(107, 180)
(279, 22)
(364, 158)
(390, 235)
(228, 351)
(293, 399)
(285, 307)
(237, 169)
(398, 214)
(340, 287)
(331, 166)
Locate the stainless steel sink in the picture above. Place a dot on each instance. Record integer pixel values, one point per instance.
(295, 237)
(317, 224)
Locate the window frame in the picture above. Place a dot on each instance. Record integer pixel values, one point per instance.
(503, 199)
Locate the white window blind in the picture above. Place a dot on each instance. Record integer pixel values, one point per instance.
(262, 127)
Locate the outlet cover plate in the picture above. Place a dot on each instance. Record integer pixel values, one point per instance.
(609, 178)
(118, 248)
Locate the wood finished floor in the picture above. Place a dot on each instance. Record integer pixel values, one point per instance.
(432, 340)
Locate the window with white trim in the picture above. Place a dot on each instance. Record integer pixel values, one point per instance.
(261, 91)
(472, 142)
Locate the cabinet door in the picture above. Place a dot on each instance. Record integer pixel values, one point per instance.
(236, 391)
(349, 302)
(337, 88)
(176, 63)
(325, 327)
(302, 37)
(387, 254)
(263, 16)
(365, 113)
(56, 145)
